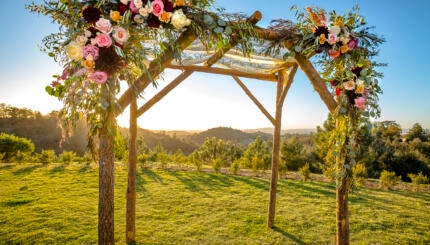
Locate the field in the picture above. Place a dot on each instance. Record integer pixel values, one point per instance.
(57, 204)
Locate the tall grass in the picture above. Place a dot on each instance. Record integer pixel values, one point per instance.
(57, 204)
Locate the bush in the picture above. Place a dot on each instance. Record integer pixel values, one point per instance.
(359, 172)
(67, 156)
(418, 180)
(11, 145)
(305, 172)
(329, 173)
(46, 156)
(217, 164)
(234, 167)
(388, 179)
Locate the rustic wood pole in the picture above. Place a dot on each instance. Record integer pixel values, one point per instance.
(106, 176)
(131, 180)
(276, 149)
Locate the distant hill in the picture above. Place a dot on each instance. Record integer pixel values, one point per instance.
(228, 134)
(284, 131)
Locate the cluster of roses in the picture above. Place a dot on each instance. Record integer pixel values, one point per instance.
(155, 12)
(354, 89)
(336, 39)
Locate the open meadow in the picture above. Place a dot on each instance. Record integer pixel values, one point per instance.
(57, 204)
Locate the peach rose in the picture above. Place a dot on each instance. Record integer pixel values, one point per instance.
(104, 25)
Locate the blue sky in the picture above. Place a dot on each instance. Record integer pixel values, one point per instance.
(204, 101)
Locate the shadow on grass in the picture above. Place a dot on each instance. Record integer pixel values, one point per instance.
(140, 183)
(306, 187)
(152, 175)
(6, 166)
(288, 235)
(84, 168)
(28, 169)
(58, 169)
(253, 181)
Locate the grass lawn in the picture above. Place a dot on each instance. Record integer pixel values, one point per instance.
(57, 204)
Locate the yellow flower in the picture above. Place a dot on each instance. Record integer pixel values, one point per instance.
(339, 23)
(360, 87)
(344, 49)
(74, 51)
(367, 63)
(322, 39)
(115, 15)
(165, 16)
(88, 64)
(179, 3)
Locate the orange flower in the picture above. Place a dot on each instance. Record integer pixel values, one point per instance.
(88, 63)
(339, 23)
(115, 15)
(367, 63)
(322, 39)
(334, 53)
(165, 17)
(344, 49)
(179, 3)
(313, 16)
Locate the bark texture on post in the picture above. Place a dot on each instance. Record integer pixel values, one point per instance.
(131, 180)
(342, 220)
(106, 183)
(275, 151)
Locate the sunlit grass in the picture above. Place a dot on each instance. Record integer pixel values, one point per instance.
(57, 204)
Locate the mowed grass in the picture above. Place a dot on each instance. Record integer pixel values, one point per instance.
(57, 204)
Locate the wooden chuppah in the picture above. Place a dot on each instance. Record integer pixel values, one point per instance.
(283, 77)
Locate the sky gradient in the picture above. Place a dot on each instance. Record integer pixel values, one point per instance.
(204, 101)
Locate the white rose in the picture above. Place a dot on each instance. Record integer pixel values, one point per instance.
(75, 51)
(88, 33)
(138, 3)
(139, 19)
(104, 25)
(145, 11)
(120, 35)
(179, 19)
(81, 40)
(334, 30)
(125, 2)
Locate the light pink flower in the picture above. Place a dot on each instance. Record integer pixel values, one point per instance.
(332, 38)
(120, 35)
(99, 77)
(133, 7)
(80, 72)
(92, 50)
(103, 40)
(104, 25)
(349, 85)
(353, 42)
(360, 102)
(157, 7)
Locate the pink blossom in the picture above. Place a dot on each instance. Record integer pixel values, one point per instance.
(360, 102)
(332, 38)
(103, 40)
(99, 77)
(353, 42)
(80, 72)
(157, 7)
(120, 35)
(133, 7)
(104, 25)
(91, 50)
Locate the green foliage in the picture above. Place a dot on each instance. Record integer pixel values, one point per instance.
(11, 146)
(214, 148)
(388, 179)
(217, 164)
(293, 154)
(67, 156)
(234, 167)
(305, 172)
(257, 155)
(46, 156)
(120, 147)
(419, 179)
(417, 132)
(359, 173)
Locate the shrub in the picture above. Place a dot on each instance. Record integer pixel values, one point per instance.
(217, 164)
(359, 172)
(305, 172)
(46, 156)
(329, 173)
(10, 145)
(234, 167)
(67, 156)
(418, 180)
(388, 179)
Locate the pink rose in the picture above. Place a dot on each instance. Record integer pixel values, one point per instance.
(360, 102)
(133, 7)
(120, 35)
(332, 39)
(103, 40)
(91, 50)
(157, 7)
(99, 77)
(104, 25)
(353, 42)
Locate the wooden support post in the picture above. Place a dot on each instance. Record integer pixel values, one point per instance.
(255, 100)
(106, 177)
(131, 180)
(342, 220)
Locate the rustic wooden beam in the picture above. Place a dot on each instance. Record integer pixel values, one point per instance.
(163, 92)
(130, 217)
(276, 151)
(316, 81)
(288, 83)
(155, 68)
(228, 72)
(254, 99)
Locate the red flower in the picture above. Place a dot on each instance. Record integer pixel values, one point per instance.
(337, 92)
(91, 14)
(168, 6)
(153, 21)
(122, 8)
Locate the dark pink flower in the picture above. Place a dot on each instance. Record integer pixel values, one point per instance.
(157, 7)
(353, 42)
(92, 50)
(133, 7)
(99, 77)
(360, 102)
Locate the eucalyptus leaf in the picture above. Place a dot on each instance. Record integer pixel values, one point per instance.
(218, 30)
(228, 30)
(221, 22)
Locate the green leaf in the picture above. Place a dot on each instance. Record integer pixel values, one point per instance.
(221, 22)
(218, 30)
(49, 90)
(50, 54)
(228, 30)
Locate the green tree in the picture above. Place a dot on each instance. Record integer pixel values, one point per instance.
(293, 154)
(416, 132)
(257, 155)
(11, 145)
(213, 148)
(120, 147)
